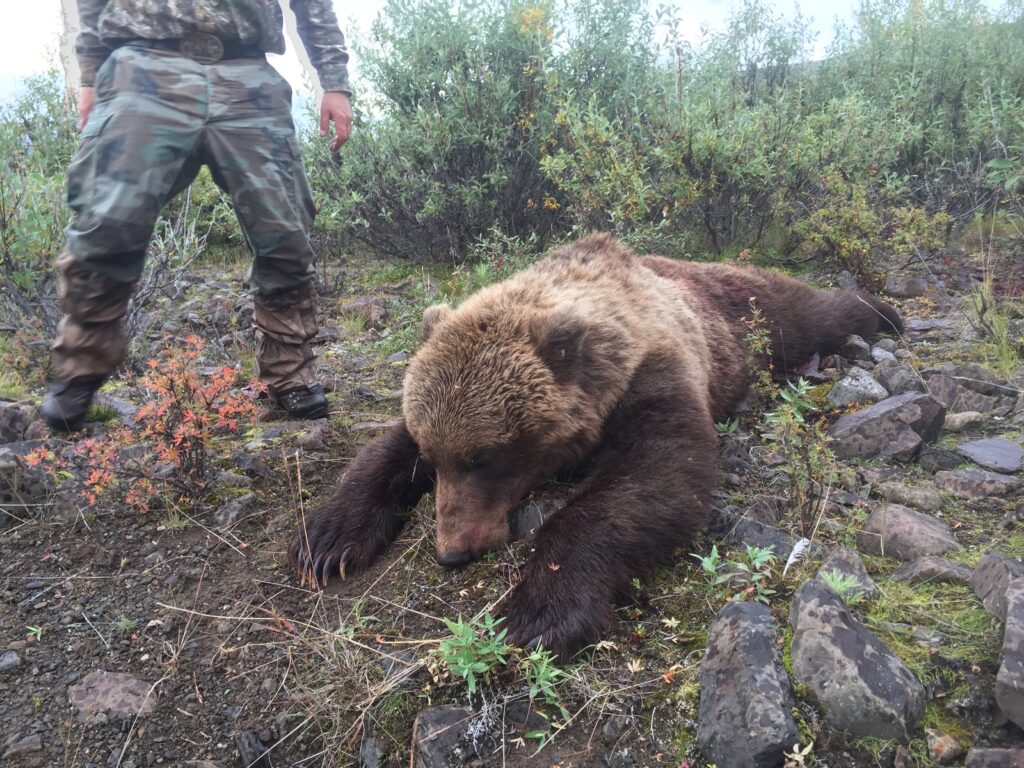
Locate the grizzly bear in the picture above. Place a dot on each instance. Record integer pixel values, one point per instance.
(596, 361)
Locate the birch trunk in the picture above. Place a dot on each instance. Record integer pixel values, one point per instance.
(68, 35)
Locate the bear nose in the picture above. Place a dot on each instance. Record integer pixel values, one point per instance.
(453, 558)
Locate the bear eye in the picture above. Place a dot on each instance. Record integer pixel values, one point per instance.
(476, 463)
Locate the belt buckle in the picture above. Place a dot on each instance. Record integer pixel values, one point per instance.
(202, 47)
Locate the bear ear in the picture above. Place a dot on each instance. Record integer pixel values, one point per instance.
(432, 317)
(558, 337)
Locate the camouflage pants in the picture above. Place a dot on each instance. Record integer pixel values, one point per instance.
(159, 118)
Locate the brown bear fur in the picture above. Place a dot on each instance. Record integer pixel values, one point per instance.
(596, 360)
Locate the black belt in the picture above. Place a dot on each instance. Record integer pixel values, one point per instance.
(203, 48)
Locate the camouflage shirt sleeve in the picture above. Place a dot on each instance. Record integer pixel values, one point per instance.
(318, 28)
(90, 51)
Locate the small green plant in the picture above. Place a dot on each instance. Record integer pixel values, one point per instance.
(809, 462)
(724, 428)
(35, 634)
(844, 585)
(476, 649)
(542, 673)
(125, 625)
(741, 579)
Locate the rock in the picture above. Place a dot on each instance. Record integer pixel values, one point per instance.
(14, 420)
(959, 398)
(976, 483)
(992, 577)
(233, 480)
(856, 387)
(1010, 679)
(251, 751)
(934, 569)
(846, 562)
(958, 422)
(232, 511)
(9, 660)
(105, 696)
(906, 286)
(316, 437)
(370, 755)
(879, 355)
(737, 529)
(942, 748)
(939, 327)
(921, 497)
(896, 531)
(24, 746)
(24, 490)
(974, 377)
(992, 757)
(996, 454)
(856, 349)
(903, 758)
(436, 732)
(938, 459)
(895, 428)
(372, 309)
(744, 719)
(888, 345)
(898, 378)
(863, 687)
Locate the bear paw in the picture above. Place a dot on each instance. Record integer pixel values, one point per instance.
(332, 542)
(559, 618)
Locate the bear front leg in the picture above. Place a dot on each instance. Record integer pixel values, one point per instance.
(648, 495)
(344, 535)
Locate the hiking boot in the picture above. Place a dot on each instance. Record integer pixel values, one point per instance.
(303, 402)
(67, 402)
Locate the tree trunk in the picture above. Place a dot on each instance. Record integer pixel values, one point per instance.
(68, 35)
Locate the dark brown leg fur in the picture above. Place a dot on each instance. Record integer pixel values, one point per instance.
(384, 481)
(648, 494)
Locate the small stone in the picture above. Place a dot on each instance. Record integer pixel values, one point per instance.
(856, 349)
(436, 732)
(942, 748)
(233, 511)
(369, 754)
(398, 357)
(864, 688)
(906, 286)
(9, 660)
(958, 422)
(984, 757)
(903, 759)
(921, 497)
(895, 428)
(976, 483)
(103, 696)
(934, 569)
(233, 480)
(898, 378)
(1010, 679)
(992, 577)
(846, 562)
(889, 345)
(878, 354)
(744, 719)
(25, 746)
(996, 454)
(857, 386)
(896, 531)
(934, 460)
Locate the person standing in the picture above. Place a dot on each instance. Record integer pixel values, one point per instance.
(167, 87)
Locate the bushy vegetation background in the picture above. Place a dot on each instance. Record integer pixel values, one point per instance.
(485, 122)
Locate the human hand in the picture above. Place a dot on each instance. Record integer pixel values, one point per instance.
(336, 108)
(86, 101)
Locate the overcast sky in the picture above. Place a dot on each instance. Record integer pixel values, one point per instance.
(29, 41)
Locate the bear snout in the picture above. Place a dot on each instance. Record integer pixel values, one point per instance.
(454, 558)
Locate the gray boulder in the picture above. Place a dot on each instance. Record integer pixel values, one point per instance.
(996, 454)
(896, 531)
(898, 377)
(857, 386)
(932, 568)
(863, 687)
(992, 577)
(846, 562)
(976, 483)
(1010, 679)
(744, 719)
(923, 497)
(895, 428)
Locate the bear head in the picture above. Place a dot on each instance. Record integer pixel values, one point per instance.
(500, 396)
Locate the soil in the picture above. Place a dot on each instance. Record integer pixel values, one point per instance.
(238, 654)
